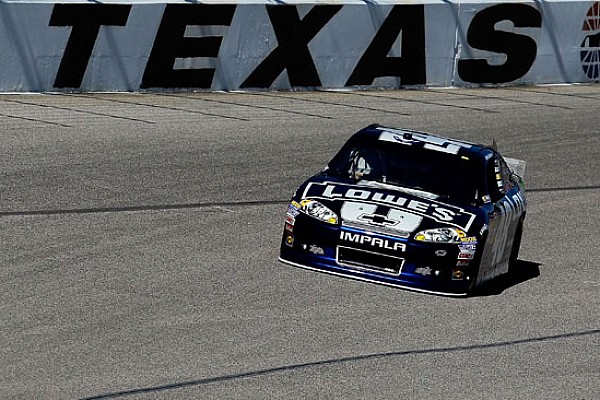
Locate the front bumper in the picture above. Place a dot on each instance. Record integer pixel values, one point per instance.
(379, 258)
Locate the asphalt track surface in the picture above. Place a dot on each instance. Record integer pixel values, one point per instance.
(140, 232)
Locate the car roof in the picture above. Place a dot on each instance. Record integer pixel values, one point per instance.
(425, 140)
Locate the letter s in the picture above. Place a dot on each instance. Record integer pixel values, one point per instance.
(443, 214)
(520, 50)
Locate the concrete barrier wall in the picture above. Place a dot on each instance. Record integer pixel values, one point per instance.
(246, 45)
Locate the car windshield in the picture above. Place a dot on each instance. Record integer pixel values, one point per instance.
(444, 174)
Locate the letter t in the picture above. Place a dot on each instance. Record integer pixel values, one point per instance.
(86, 20)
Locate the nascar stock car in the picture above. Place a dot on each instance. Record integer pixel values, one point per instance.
(409, 209)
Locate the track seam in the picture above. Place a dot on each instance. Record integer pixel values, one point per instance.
(342, 360)
(162, 207)
(184, 206)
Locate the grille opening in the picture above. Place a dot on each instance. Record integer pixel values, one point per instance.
(369, 260)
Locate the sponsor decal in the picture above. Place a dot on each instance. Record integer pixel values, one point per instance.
(425, 271)
(590, 43)
(511, 208)
(289, 228)
(467, 247)
(293, 210)
(431, 142)
(289, 240)
(373, 241)
(458, 275)
(463, 263)
(484, 228)
(439, 212)
(316, 250)
(441, 253)
(469, 239)
(290, 218)
(377, 216)
(466, 255)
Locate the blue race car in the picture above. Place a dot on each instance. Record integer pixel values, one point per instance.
(409, 209)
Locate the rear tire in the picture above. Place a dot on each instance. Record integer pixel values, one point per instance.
(514, 252)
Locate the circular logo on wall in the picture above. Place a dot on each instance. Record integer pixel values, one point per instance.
(590, 46)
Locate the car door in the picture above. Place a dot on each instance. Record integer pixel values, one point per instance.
(503, 219)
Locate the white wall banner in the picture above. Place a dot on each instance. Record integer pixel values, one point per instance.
(249, 45)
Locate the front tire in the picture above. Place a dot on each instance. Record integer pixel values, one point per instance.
(474, 274)
(471, 290)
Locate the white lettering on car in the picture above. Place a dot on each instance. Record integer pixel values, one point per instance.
(443, 214)
(373, 241)
(440, 212)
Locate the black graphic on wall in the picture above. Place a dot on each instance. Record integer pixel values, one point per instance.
(171, 43)
(410, 68)
(85, 20)
(292, 53)
(520, 50)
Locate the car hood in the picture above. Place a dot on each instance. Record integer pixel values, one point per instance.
(387, 208)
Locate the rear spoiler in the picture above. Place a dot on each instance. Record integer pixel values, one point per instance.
(516, 166)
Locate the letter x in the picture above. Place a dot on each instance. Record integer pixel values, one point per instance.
(291, 54)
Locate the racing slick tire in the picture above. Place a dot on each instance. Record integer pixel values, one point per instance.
(514, 253)
(472, 289)
(474, 275)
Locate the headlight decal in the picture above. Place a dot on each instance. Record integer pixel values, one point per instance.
(441, 235)
(319, 211)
